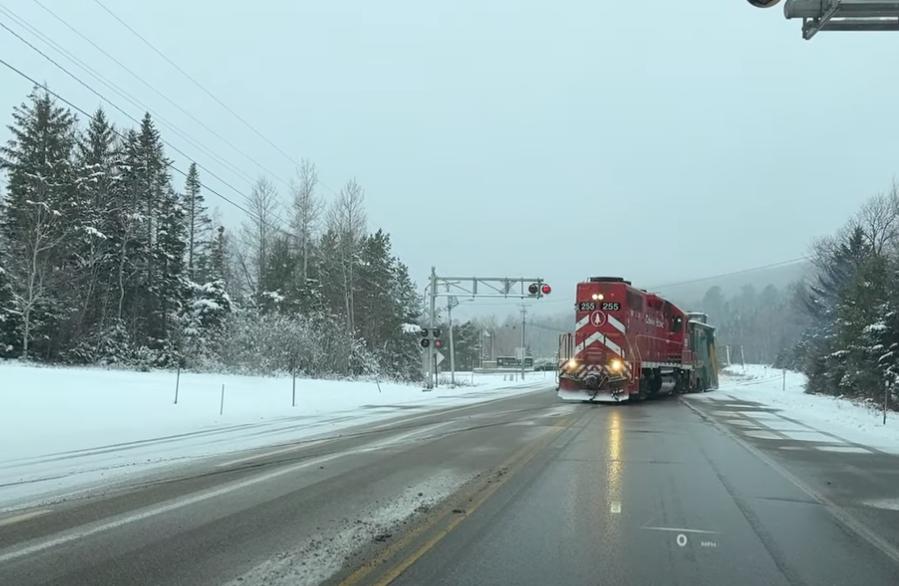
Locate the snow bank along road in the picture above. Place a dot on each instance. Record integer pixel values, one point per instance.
(68, 428)
(521, 490)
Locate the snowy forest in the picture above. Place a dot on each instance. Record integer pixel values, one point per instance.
(109, 255)
(841, 326)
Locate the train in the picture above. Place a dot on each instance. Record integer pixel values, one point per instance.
(629, 345)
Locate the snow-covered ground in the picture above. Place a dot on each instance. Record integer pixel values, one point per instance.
(859, 423)
(65, 427)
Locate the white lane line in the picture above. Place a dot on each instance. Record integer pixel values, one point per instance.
(271, 453)
(383, 443)
(681, 530)
(172, 505)
(23, 517)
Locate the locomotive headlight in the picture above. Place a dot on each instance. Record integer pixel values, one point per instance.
(616, 365)
(571, 364)
(597, 297)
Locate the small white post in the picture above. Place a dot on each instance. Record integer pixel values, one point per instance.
(784, 385)
(177, 382)
(293, 394)
(886, 399)
(222, 402)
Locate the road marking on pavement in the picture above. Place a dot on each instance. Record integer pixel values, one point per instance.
(761, 434)
(839, 513)
(172, 505)
(615, 507)
(387, 442)
(23, 517)
(120, 521)
(271, 453)
(681, 530)
(808, 436)
(516, 462)
(889, 504)
(843, 449)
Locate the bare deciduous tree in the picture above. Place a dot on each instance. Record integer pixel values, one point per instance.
(258, 231)
(307, 210)
(37, 262)
(879, 219)
(346, 219)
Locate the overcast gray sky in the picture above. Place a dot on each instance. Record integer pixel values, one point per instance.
(560, 139)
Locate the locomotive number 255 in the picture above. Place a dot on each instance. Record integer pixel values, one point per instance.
(611, 306)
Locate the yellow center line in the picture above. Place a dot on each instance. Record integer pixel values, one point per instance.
(23, 517)
(517, 461)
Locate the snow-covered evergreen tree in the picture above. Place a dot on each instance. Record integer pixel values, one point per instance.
(39, 216)
(199, 227)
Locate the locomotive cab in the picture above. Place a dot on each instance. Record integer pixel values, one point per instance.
(630, 344)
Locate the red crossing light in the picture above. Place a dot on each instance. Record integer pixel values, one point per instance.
(546, 289)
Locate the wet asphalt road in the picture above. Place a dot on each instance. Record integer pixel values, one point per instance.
(703, 490)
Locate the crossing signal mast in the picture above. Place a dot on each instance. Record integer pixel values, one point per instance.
(473, 287)
(839, 15)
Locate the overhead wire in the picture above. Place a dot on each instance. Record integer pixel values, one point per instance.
(161, 94)
(118, 133)
(194, 80)
(123, 93)
(135, 120)
(202, 87)
(739, 272)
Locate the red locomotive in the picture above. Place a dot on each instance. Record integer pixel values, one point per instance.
(629, 344)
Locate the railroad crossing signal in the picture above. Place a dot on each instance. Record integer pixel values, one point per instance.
(539, 289)
(429, 337)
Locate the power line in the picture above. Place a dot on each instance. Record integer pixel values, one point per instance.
(123, 94)
(740, 272)
(122, 136)
(194, 81)
(130, 117)
(161, 94)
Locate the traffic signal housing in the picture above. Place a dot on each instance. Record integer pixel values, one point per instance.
(539, 289)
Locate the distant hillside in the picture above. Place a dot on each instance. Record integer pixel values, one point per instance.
(689, 291)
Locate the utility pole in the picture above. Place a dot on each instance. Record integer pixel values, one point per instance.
(524, 313)
(742, 358)
(727, 348)
(432, 370)
(450, 301)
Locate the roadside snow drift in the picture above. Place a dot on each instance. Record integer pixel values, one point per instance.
(856, 422)
(65, 427)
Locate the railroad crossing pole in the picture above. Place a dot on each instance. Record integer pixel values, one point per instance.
(524, 314)
(727, 348)
(432, 370)
(450, 301)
